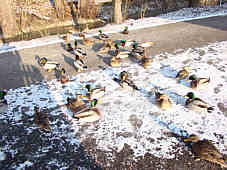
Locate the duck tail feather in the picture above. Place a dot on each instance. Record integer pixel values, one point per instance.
(210, 109)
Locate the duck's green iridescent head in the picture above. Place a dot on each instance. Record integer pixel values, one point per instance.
(116, 46)
(192, 77)
(123, 75)
(135, 45)
(126, 28)
(43, 61)
(2, 95)
(100, 31)
(190, 95)
(94, 102)
(123, 41)
(88, 87)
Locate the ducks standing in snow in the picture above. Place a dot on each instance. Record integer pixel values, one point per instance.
(125, 82)
(94, 93)
(196, 104)
(198, 83)
(75, 105)
(79, 64)
(63, 76)
(48, 65)
(182, 74)
(3, 102)
(89, 115)
(102, 36)
(163, 100)
(205, 149)
(125, 31)
(41, 119)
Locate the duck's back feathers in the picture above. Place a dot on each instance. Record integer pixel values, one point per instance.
(88, 116)
(200, 83)
(41, 119)
(198, 105)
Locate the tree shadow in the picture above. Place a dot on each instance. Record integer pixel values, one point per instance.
(15, 73)
(69, 60)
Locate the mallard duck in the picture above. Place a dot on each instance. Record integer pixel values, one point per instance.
(163, 100)
(2, 94)
(122, 54)
(41, 119)
(64, 77)
(196, 104)
(68, 45)
(137, 51)
(125, 31)
(111, 43)
(89, 115)
(88, 42)
(145, 62)
(115, 62)
(146, 45)
(80, 53)
(3, 106)
(204, 149)
(95, 93)
(48, 65)
(102, 36)
(123, 75)
(79, 64)
(182, 74)
(106, 48)
(127, 43)
(197, 83)
(125, 82)
(75, 105)
(3, 102)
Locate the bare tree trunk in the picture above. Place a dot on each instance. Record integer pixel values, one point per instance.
(82, 6)
(194, 3)
(8, 19)
(118, 19)
(60, 8)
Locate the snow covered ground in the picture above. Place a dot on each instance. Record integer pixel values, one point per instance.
(129, 117)
(185, 14)
(132, 117)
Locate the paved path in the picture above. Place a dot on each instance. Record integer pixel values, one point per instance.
(20, 68)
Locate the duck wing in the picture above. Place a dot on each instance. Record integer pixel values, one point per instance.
(206, 150)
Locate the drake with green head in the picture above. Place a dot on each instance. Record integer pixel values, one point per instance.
(94, 93)
(103, 36)
(89, 115)
(79, 64)
(125, 31)
(205, 150)
(197, 83)
(196, 104)
(48, 65)
(125, 82)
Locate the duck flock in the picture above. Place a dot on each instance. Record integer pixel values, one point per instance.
(141, 83)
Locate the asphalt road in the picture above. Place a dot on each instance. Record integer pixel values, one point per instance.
(20, 68)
